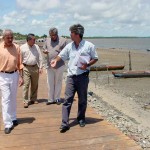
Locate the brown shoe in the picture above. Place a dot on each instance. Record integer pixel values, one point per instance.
(36, 102)
(33, 102)
(26, 105)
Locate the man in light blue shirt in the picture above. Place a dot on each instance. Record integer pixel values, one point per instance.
(81, 55)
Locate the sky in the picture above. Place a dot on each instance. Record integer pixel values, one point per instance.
(99, 17)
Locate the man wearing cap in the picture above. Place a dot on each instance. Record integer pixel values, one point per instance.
(81, 55)
(10, 74)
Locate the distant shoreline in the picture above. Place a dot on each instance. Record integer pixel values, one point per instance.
(113, 37)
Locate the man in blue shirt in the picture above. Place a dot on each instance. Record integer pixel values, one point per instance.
(81, 55)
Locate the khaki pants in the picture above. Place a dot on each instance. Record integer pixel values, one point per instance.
(54, 79)
(31, 78)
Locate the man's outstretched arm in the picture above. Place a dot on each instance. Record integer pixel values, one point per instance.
(53, 63)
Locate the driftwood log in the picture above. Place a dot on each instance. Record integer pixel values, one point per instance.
(106, 67)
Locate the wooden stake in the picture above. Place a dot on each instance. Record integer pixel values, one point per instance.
(130, 65)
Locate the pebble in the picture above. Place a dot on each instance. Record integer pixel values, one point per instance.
(127, 125)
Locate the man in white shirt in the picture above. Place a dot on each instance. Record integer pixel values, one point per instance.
(77, 77)
(32, 61)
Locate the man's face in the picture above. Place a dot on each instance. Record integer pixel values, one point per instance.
(74, 36)
(53, 36)
(32, 41)
(8, 39)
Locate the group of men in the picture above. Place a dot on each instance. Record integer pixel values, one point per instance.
(24, 64)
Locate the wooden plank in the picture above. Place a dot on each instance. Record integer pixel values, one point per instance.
(67, 139)
(39, 129)
(90, 144)
(107, 142)
(49, 137)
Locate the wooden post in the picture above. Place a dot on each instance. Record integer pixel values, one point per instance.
(96, 78)
(107, 75)
(130, 65)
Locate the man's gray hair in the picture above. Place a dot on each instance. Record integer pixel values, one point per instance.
(53, 30)
(7, 31)
(30, 36)
(77, 28)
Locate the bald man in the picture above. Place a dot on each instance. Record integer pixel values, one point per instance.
(10, 74)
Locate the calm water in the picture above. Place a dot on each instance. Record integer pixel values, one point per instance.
(127, 43)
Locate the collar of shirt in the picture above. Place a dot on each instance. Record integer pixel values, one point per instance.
(52, 41)
(30, 46)
(80, 44)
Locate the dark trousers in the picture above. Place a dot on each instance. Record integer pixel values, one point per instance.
(75, 84)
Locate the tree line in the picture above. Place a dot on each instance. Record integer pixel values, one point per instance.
(19, 36)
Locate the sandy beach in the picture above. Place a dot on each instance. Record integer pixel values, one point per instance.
(129, 95)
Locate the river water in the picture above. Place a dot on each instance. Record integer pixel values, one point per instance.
(125, 43)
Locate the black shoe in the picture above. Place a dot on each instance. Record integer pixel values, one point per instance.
(33, 102)
(49, 103)
(58, 101)
(15, 122)
(26, 105)
(81, 123)
(64, 129)
(8, 130)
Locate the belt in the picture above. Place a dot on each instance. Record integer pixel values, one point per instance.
(83, 74)
(30, 65)
(9, 72)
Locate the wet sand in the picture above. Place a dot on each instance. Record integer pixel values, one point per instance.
(129, 95)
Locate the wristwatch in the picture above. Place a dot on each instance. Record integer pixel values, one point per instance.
(88, 65)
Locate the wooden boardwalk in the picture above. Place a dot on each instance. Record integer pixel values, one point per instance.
(39, 124)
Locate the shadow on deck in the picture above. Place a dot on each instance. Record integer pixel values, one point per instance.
(39, 124)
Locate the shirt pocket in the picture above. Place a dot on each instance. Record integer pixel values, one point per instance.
(85, 54)
(72, 55)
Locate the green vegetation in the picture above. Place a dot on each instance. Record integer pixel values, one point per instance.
(19, 36)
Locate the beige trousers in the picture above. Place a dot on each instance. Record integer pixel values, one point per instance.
(31, 78)
(54, 79)
(8, 88)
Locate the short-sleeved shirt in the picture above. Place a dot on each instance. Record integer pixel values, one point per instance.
(10, 58)
(70, 52)
(31, 55)
(54, 48)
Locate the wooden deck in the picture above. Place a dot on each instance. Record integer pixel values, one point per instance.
(39, 124)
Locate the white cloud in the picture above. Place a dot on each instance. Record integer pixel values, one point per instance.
(82, 18)
(97, 16)
(36, 22)
(38, 5)
(13, 18)
(101, 6)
